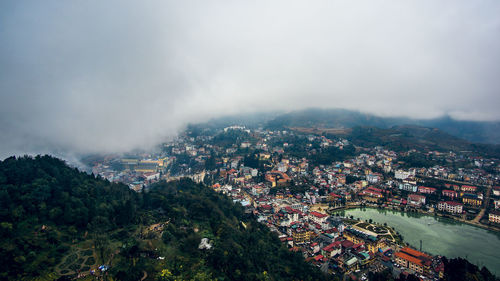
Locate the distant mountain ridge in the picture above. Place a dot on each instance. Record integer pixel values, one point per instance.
(405, 137)
(473, 131)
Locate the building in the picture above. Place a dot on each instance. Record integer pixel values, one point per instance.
(300, 235)
(317, 217)
(496, 190)
(450, 207)
(414, 260)
(468, 188)
(416, 200)
(494, 217)
(401, 175)
(277, 178)
(426, 190)
(450, 193)
(371, 242)
(372, 194)
(373, 178)
(472, 199)
(332, 249)
(408, 187)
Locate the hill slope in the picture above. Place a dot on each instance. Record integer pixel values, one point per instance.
(404, 138)
(56, 221)
(473, 131)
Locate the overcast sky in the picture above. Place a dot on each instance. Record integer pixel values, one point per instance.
(108, 76)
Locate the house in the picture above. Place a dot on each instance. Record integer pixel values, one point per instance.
(450, 207)
(497, 204)
(352, 264)
(314, 247)
(332, 250)
(496, 190)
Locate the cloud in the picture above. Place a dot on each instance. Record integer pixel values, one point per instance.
(94, 76)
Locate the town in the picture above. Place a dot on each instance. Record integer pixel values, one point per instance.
(297, 183)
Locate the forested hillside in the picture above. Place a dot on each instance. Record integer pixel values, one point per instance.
(56, 222)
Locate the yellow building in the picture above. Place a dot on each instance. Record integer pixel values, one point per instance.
(371, 242)
(301, 236)
(494, 217)
(472, 200)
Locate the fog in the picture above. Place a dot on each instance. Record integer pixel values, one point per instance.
(89, 76)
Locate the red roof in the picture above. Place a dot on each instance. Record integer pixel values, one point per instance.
(347, 244)
(358, 245)
(408, 258)
(332, 230)
(333, 245)
(431, 189)
(318, 257)
(375, 189)
(266, 206)
(334, 195)
(453, 203)
(469, 187)
(318, 215)
(414, 253)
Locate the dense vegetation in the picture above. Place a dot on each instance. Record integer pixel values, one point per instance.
(45, 204)
(462, 270)
(55, 221)
(242, 248)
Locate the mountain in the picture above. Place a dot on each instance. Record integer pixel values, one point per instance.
(250, 120)
(56, 222)
(406, 137)
(473, 131)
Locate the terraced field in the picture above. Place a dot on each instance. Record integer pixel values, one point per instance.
(79, 260)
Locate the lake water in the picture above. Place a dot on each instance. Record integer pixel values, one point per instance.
(440, 236)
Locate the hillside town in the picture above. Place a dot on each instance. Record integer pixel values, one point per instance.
(297, 184)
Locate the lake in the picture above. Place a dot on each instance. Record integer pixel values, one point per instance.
(440, 236)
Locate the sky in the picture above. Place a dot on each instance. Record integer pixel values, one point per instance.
(91, 76)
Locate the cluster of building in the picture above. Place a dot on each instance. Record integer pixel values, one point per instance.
(275, 176)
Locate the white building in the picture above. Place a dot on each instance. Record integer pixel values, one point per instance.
(450, 207)
(402, 175)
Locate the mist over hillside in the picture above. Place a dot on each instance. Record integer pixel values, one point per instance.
(473, 131)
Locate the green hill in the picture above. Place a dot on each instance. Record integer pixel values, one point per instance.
(56, 221)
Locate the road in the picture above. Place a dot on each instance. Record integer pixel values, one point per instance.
(486, 203)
